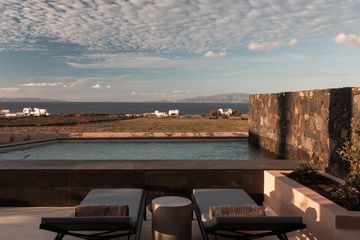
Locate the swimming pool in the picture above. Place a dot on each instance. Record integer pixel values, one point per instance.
(143, 149)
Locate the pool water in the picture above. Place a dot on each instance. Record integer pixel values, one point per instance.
(139, 150)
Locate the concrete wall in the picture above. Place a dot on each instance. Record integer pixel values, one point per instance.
(324, 219)
(306, 125)
(68, 188)
(65, 183)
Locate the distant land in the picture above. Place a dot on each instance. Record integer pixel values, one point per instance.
(218, 98)
(5, 99)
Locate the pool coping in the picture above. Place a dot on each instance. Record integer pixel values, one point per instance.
(8, 145)
(149, 164)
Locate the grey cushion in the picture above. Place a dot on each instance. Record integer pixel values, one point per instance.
(206, 198)
(101, 210)
(118, 196)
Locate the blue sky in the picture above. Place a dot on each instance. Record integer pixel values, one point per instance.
(141, 50)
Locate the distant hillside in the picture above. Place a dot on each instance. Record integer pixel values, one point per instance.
(5, 99)
(218, 98)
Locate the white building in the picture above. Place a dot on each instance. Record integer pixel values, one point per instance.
(227, 112)
(160, 114)
(4, 111)
(27, 111)
(174, 113)
(40, 112)
(35, 112)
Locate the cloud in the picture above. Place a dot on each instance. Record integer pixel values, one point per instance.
(212, 54)
(178, 91)
(99, 86)
(82, 81)
(121, 60)
(348, 39)
(268, 46)
(134, 61)
(169, 26)
(9, 89)
(161, 94)
(43, 84)
(293, 42)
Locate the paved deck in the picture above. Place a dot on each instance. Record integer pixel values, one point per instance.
(23, 223)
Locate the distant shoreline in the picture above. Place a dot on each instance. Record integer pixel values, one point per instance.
(123, 107)
(63, 101)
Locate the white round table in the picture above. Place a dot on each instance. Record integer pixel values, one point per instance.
(171, 218)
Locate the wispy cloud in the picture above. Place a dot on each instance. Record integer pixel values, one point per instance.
(213, 54)
(348, 39)
(9, 89)
(43, 84)
(170, 26)
(140, 61)
(178, 91)
(99, 86)
(293, 42)
(268, 46)
(123, 60)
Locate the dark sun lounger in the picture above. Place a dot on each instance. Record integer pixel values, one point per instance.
(238, 227)
(97, 228)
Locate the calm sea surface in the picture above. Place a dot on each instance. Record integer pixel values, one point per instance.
(140, 150)
(122, 107)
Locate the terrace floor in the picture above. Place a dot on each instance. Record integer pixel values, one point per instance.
(23, 223)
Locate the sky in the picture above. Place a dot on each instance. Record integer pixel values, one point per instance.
(142, 50)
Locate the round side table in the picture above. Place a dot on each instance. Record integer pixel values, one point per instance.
(171, 218)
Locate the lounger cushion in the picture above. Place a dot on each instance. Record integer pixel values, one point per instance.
(101, 210)
(118, 196)
(206, 198)
(255, 223)
(235, 211)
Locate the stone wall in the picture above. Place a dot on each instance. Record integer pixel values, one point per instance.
(305, 125)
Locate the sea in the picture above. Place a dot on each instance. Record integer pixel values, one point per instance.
(123, 107)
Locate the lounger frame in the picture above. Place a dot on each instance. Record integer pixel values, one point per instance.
(238, 228)
(96, 228)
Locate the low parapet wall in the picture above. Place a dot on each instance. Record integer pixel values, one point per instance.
(305, 125)
(65, 183)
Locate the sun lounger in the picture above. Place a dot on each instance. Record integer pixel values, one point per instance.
(99, 227)
(238, 227)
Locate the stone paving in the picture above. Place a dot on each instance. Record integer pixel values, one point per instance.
(23, 223)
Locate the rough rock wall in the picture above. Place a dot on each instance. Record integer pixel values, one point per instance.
(306, 125)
